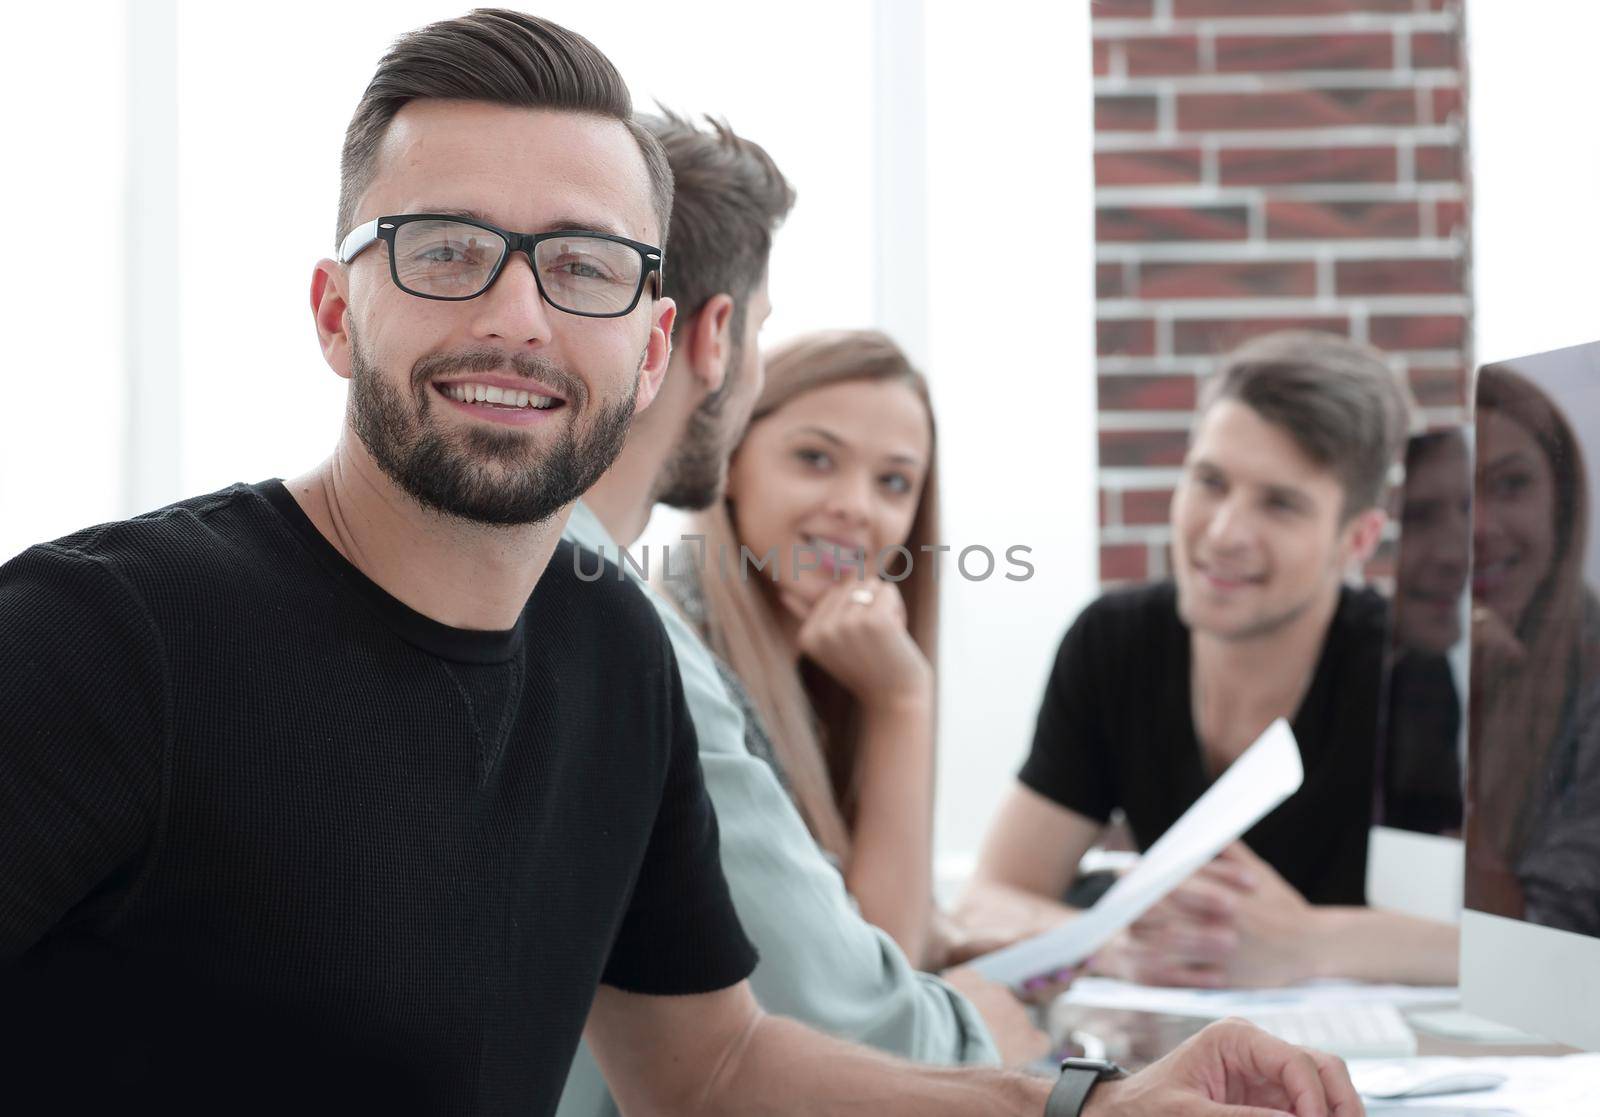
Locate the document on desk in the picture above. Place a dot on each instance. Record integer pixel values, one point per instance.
(1214, 1004)
(1534, 1086)
(1265, 775)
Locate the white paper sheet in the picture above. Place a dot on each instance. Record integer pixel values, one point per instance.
(1214, 1004)
(1265, 775)
(1535, 1086)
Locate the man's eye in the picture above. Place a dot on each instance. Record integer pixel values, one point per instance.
(583, 267)
(441, 254)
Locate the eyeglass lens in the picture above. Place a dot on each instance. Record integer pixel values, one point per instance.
(451, 259)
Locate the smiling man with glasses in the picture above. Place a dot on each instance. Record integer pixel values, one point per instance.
(346, 794)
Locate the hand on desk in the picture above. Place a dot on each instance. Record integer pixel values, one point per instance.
(1232, 1070)
(1235, 923)
(1015, 1035)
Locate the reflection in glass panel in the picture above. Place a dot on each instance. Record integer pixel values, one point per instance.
(1533, 826)
(1420, 763)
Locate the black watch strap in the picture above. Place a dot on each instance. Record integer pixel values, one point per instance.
(1078, 1077)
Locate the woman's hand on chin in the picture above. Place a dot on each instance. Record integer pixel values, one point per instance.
(856, 632)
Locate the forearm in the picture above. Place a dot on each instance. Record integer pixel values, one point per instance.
(890, 872)
(1365, 945)
(785, 1068)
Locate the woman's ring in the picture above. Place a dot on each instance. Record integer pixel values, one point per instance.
(861, 595)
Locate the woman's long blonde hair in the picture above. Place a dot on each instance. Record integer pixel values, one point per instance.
(1515, 723)
(813, 722)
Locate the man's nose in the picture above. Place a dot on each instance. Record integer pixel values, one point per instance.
(1230, 524)
(512, 310)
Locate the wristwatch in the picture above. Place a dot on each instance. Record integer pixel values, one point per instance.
(1078, 1077)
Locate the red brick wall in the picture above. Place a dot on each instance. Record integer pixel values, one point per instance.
(1262, 164)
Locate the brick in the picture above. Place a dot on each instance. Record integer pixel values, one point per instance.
(1435, 50)
(1122, 9)
(1248, 279)
(1398, 277)
(1268, 166)
(1203, 9)
(1162, 55)
(1125, 337)
(1171, 166)
(1145, 507)
(1105, 507)
(1439, 387)
(1318, 220)
(1439, 163)
(1276, 53)
(1204, 336)
(1165, 223)
(1299, 108)
(1449, 218)
(1431, 331)
(1446, 104)
(1125, 114)
(1124, 562)
(1110, 281)
(1134, 448)
(1102, 58)
(1147, 393)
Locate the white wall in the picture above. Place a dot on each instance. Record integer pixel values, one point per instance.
(1535, 152)
(62, 414)
(1011, 355)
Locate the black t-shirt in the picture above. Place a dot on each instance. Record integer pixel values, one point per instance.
(275, 842)
(1116, 730)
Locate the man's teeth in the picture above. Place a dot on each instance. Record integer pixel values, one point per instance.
(505, 397)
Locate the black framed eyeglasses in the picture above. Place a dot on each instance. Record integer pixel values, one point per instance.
(441, 256)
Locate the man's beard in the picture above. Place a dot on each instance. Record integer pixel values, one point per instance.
(451, 472)
(693, 477)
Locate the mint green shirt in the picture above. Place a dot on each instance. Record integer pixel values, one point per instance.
(821, 962)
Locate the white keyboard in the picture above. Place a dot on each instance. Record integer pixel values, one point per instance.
(1356, 1031)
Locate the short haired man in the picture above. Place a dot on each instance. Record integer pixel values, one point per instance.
(346, 794)
(821, 962)
(1157, 690)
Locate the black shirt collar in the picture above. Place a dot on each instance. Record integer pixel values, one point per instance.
(464, 645)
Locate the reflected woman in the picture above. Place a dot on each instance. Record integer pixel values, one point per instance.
(1534, 830)
(1421, 758)
(832, 641)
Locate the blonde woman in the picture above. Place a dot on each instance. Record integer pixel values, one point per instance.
(817, 593)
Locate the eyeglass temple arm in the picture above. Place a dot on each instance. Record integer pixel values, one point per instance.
(358, 240)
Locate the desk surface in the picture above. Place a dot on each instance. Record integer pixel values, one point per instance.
(1136, 1039)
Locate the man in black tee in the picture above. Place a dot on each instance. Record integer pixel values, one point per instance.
(271, 830)
(335, 795)
(1156, 690)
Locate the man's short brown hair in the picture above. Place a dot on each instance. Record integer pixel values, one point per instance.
(1340, 402)
(502, 58)
(729, 200)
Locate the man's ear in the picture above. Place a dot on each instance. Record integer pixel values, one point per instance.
(1362, 535)
(657, 354)
(710, 342)
(330, 305)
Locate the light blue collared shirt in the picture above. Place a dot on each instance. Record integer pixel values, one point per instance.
(821, 962)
